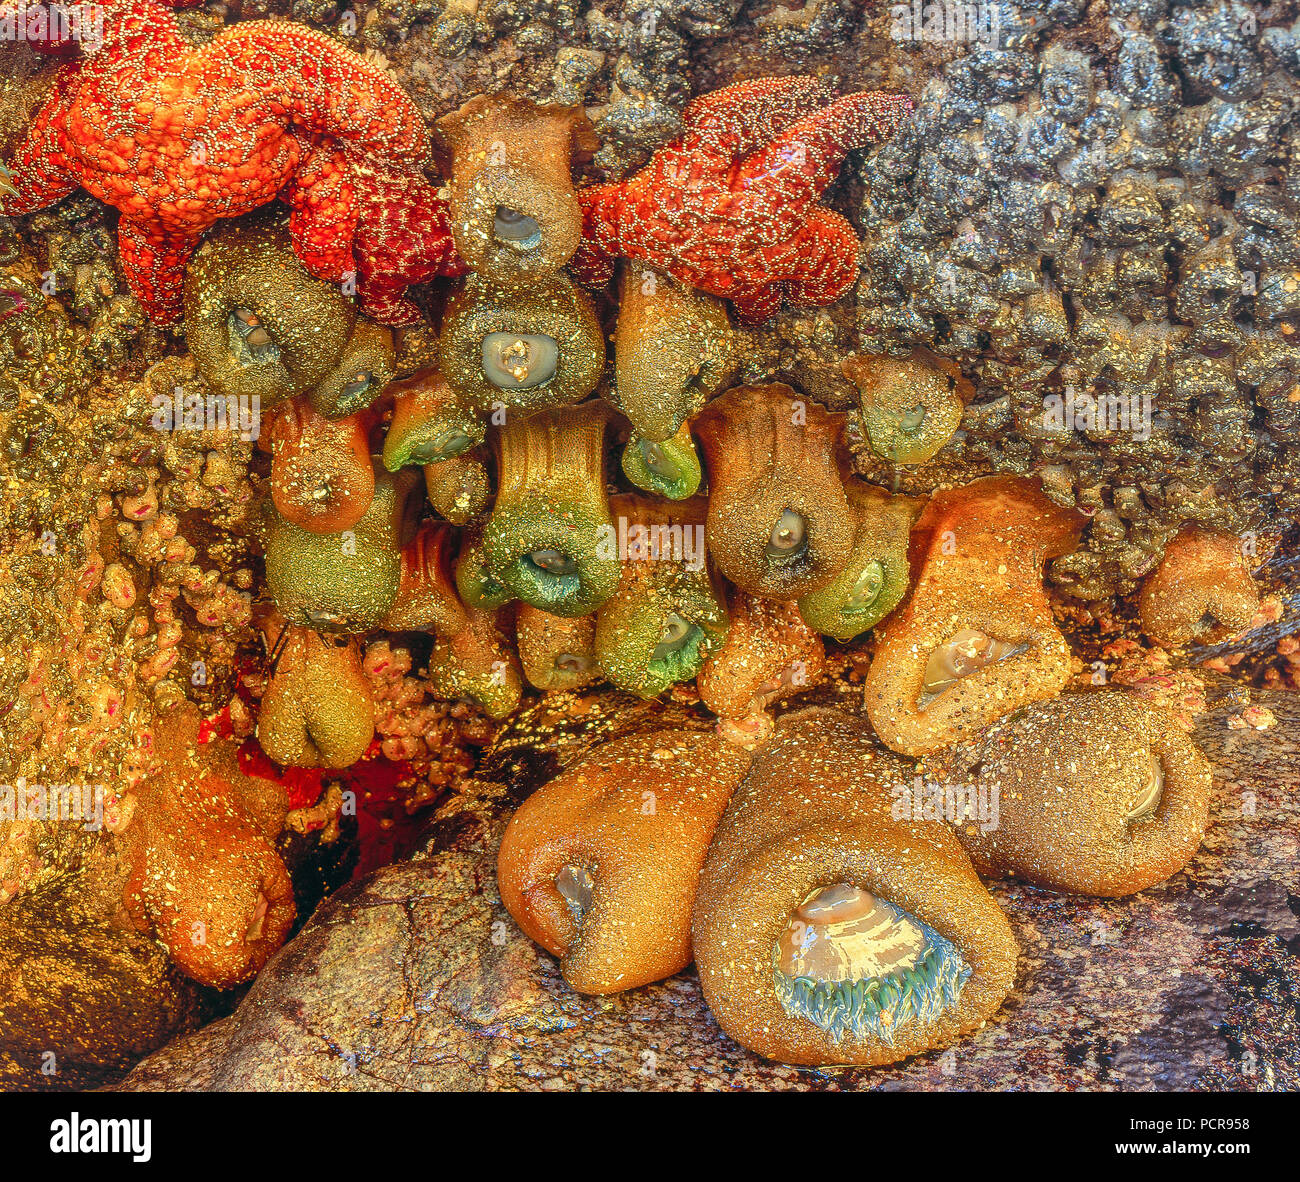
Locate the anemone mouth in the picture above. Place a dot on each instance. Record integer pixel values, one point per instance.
(857, 965)
(658, 462)
(912, 419)
(250, 341)
(317, 619)
(519, 361)
(256, 928)
(787, 544)
(963, 654)
(866, 589)
(1151, 794)
(1207, 623)
(574, 664)
(479, 589)
(680, 651)
(546, 578)
(577, 887)
(515, 229)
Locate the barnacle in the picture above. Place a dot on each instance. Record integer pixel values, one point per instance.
(514, 214)
(668, 613)
(1201, 591)
(975, 637)
(318, 709)
(556, 652)
(259, 326)
(828, 929)
(875, 578)
(543, 542)
(910, 406)
(600, 865)
(523, 349)
(1098, 793)
(779, 522)
(673, 351)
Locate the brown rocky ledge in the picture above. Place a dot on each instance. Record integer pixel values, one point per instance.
(416, 978)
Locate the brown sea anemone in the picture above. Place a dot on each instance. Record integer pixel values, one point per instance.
(1098, 793)
(600, 865)
(827, 930)
(975, 637)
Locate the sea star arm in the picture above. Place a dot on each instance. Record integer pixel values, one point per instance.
(739, 119)
(594, 262)
(323, 213)
(799, 164)
(36, 171)
(825, 260)
(154, 265)
(327, 89)
(759, 304)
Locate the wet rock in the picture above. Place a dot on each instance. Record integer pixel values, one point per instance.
(417, 978)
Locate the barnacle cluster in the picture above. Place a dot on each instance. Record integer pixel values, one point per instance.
(1108, 227)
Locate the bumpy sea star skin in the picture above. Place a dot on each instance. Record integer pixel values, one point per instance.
(600, 865)
(318, 709)
(177, 137)
(205, 878)
(876, 576)
(910, 406)
(322, 478)
(1202, 590)
(673, 351)
(828, 931)
(524, 349)
(669, 613)
(779, 522)
(513, 214)
(259, 326)
(403, 237)
(731, 207)
(1097, 793)
(556, 653)
(543, 542)
(975, 638)
(769, 654)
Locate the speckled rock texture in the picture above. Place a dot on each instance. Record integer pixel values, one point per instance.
(416, 978)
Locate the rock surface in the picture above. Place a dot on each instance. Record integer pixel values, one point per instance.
(415, 978)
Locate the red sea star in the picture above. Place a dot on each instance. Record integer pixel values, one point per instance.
(731, 206)
(177, 136)
(403, 238)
